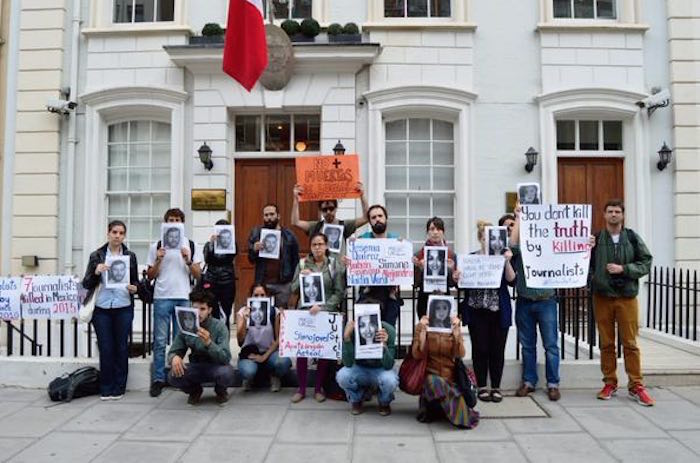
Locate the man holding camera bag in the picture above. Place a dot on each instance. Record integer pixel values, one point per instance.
(620, 258)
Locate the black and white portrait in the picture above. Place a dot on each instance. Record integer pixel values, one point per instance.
(441, 309)
(497, 240)
(225, 242)
(368, 322)
(335, 236)
(435, 261)
(259, 310)
(172, 235)
(529, 193)
(270, 241)
(187, 320)
(367, 326)
(311, 289)
(118, 274)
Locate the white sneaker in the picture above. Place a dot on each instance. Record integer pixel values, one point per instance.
(275, 384)
(116, 397)
(105, 398)
(246, 385)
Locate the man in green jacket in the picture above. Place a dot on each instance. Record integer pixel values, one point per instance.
(359, 376)
(210, 355)
(620, 258)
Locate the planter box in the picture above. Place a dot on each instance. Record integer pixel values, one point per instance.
(345, 38)
(200, 39)
(302, 38)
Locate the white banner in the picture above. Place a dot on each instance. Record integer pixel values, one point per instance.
(10, 298)
(49, 296)
(311, 336)
(480, 271)
(380, 262)
(554, 245)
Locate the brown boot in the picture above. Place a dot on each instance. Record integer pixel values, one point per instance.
(524, 390)
(195, 396)
(356, 408)
(385, 410)
(553, 394)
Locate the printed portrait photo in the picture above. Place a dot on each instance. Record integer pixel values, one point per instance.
(187, 320)
(441, 309)
(259, 309)
(529, 193)
(497, 240)
(225, 242)
(270, 240)
(118, 274)
(172, 235)
(335, 236)
(435, 263)
(367, 327)
(311, 289)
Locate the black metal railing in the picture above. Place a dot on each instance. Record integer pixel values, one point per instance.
(672, 301)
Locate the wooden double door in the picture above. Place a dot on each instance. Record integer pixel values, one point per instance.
(591, 181)
(260, 182)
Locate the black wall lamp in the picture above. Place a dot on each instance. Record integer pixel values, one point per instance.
(338, 149)
(531, 156)
(205, 156)
(665, 157)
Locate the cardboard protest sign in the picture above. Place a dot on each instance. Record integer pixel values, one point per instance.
(368, 321)
(311, 336)
(379, 262)
(117, 277)
(10, 291)
(480, 271)
(49, 296)
(328, 177)
(187, 320)
(435, 269)
(554, 245)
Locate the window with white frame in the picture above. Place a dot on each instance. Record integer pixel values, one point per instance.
(278, 133)
(585, 9)
(417, 8)
(589, 135)
(419, 176)
(287, 9)
(139, 11)
(138, 180)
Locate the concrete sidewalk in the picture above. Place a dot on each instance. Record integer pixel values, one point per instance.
(264, 427)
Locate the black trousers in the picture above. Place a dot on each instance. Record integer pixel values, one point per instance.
(488, 346)
(225, 295)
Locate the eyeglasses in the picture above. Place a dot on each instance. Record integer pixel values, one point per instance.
(328, 209)
(317, 245)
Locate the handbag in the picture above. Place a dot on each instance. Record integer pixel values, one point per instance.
(88, 306)
(466, 380)
(412, 374)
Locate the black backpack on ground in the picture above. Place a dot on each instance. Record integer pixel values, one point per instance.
(81, 383)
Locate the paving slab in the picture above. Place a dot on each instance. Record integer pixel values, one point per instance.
(65, 446)
(402, 421)
(511, 407)
(9, 408)
(246, 420)
(230, 449)
(393, 449)
(315, 426)
(16, 394)
(483, 452)
(569, 448)
(649, 450)
(691, 393)
(487, 430)
(559, 421)
(615, 424)
(124, 451)
(673, 415)
(587, 398)
(12, 445)
(35, 421)
(107, 417)
(177, 400)
(283, 397)
(170, 425)
(690, 439)
(302, 453)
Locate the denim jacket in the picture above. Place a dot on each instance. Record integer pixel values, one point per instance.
(289, 255)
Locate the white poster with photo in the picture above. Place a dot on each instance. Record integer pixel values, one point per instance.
(172, 236)
(225, 241)
(49, 296)
(435, 269)
(311, 336)
(311, 290)
(259, 311)
(441, 309)
(529, 193)
(496, 240)
(368, 321)
(334, 233)
(270, 240)
(10, 305)
(117, 275)
(554, 245)
(379, 262)
(480, 270)
(187, 320)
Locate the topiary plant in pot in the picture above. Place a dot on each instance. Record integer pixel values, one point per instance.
(310, 28)
(291, 27)
(349, 33)
(211, 33)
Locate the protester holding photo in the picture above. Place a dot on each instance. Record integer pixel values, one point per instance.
(220, 277)
(435, 229)
(488, 314)
(114, 312)
(318, 261)
(259, 345)
(441, 396)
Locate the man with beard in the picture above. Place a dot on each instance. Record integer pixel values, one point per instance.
(276, 274)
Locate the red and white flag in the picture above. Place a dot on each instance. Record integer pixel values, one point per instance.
(245, 48)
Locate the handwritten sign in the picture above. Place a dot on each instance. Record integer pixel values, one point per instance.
(328, 177)
(480, 271)
(379, 262)
(554, 245)
(311, 336)
(49, 296)
(10, 298)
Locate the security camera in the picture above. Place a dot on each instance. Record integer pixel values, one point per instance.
(61, 106)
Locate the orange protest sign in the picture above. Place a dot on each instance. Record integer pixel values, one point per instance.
(328, 177)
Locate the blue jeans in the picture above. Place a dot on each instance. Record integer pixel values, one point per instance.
(356, 379)
(528, 314)
(112, 327)
(163, 314)
(276, 365)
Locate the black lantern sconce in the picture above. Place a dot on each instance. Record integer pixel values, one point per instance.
(665, 157)
(205, 156)
(338, 149)
(531, 156)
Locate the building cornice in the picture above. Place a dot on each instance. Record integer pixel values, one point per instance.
(591, 93)
(598, 26)
(106, 95)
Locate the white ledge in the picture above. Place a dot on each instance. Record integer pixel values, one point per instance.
(413, 25)
(138, 92)
(138, 28)
(591, 92)
(591, 26)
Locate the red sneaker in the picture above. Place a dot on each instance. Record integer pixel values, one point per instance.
(607, 392)
(640, 394)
